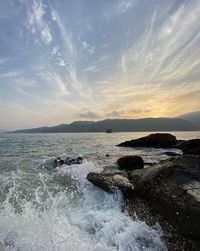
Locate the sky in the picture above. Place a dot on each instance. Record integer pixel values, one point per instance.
(68, 60)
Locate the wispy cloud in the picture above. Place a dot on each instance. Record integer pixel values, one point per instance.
(120, 7)
(126, 5)
(89, 115)
(11, 74)
(132, 113)
(36, 20)
(87, 47)
(100, 59)
(161, 53)
(4, 60)
(69, 59)
(66, 35)
(98, 64)
(55, 82)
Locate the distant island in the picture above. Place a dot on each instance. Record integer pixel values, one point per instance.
(118, 125)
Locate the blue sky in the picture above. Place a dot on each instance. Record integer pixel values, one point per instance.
(69, 60)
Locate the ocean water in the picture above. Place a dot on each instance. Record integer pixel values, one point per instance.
(46, 209)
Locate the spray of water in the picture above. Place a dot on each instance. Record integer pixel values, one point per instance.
(62, 211)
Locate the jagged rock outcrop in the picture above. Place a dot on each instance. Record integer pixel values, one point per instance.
(110, 181)
(173, 187)
(157, 140)
(165, 140)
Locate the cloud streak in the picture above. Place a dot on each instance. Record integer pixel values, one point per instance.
(117, 59)
(36, 21)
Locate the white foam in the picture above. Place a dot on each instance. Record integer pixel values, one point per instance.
(80, 217)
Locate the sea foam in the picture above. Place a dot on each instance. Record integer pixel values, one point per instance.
(62, 211)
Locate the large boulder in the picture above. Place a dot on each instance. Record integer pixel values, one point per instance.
(190, 146)
(157, 140)
(130, 163)
(110, 181)
(173, 187)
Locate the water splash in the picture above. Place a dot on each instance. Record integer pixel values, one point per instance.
(62, 211)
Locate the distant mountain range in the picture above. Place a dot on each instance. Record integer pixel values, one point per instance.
(193, 117)
(118, 125)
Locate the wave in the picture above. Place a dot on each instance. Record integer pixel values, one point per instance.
(61, 210)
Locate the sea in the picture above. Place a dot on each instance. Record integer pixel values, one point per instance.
(50, 209)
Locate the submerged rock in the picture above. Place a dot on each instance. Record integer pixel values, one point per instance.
(130, 163)
(110, 181)
(173, 187)
(157, 140)
(67, 161)
(58, 162)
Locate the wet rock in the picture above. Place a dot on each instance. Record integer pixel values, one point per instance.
(110, 181)
(114, 170)
(130, 163)
(150, 163)
(190, 146)
(173, 187)
(68, 161)
(172, 154)
(79, 160)
(157, 140)
(141, 209)
(58, 162)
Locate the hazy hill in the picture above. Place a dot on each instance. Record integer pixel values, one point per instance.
(118, 125)
(193, 117)
(2, 131)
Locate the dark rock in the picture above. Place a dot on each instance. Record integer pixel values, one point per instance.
(173, 187)
(57, 162)
(157, 140)
(130, 163)
(109, 131)
(107, 155)
(61, 162)
(190, 146)
(113, 170)
(150, 163)
(172, 154)
(79, 160)
(110, 181)
(68, 161)
(141, 209)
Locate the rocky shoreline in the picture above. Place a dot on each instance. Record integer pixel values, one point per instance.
(167, 193)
